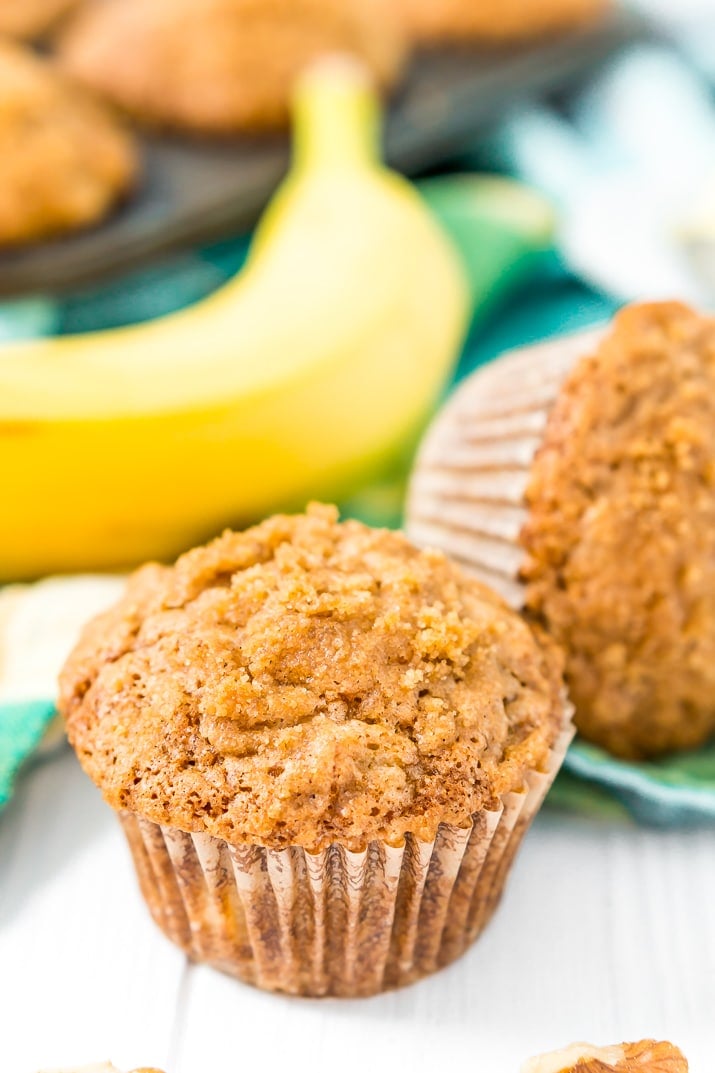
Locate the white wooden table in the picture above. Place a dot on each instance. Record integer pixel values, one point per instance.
(606, 933)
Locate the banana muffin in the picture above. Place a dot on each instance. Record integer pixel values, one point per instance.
(582, 474)
(220, 66)
(307, 709)
(64, 161)
(481, 20)
(27, 19)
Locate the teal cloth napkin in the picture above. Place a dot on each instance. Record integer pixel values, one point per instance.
(22, 728)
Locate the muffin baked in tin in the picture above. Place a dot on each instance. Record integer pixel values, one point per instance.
(66, 160)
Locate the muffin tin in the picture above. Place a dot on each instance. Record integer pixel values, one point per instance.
(195, 191)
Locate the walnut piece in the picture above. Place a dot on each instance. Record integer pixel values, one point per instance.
(646, 1056)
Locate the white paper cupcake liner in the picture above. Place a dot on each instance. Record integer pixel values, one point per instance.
(335, 922)
(467, 489)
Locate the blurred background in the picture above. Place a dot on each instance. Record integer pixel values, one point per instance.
(142, 141)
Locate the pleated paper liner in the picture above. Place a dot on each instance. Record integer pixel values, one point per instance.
(467, 489)
(335, 922)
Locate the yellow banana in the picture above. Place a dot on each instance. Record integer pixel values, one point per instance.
(299, 376)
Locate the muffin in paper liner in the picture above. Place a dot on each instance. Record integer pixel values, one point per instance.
(324, 746)
(336, 922)
(578, 479)
(467, 490)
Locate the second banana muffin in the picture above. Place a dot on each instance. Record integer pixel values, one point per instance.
(579, 477)
(324, 746)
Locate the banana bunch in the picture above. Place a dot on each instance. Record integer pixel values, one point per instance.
(301, 375)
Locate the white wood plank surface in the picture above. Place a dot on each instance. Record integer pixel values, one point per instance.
(606, 933)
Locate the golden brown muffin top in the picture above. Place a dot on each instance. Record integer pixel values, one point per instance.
(63, 159)
(621, 537)
(218, 66)
(306, 682)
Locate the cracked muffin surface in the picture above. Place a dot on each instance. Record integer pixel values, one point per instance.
(307, 681)
(64, 160)
(621, 532)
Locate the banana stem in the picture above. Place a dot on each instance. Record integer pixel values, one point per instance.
(336, 116)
